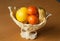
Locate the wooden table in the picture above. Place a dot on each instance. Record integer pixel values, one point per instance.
(9, 31)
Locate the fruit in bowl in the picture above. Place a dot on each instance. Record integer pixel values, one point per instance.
(28, 15)
(25, 16)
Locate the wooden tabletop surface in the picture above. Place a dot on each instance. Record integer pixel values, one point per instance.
(9, 31)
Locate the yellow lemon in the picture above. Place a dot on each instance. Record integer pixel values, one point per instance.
(21, 14)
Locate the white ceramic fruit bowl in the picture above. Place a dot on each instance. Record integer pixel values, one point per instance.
(28, 31)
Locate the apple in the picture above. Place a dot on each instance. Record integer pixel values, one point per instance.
(21, 14)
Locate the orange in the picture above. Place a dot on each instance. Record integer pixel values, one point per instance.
(32, 19)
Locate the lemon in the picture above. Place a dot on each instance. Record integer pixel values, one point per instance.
(21, 14)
